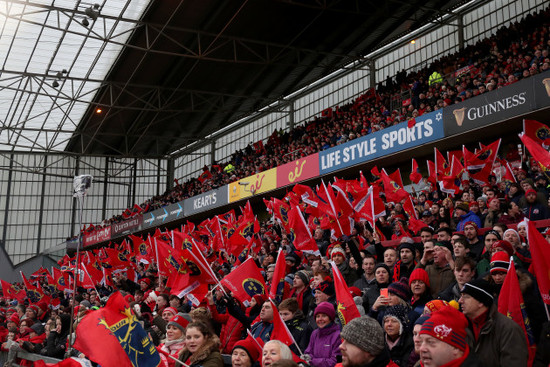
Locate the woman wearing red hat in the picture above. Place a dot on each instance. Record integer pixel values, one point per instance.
(174, 342)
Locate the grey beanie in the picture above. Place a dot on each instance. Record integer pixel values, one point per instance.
(365, 333)
(304, 275)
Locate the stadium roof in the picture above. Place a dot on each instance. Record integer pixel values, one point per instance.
(168, 73)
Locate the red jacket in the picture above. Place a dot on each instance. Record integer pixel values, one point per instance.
(231, 329)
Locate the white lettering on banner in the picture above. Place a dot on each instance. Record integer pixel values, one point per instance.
(205, 200)
(348, 154)
(359, 150)
(404, 135)
(502, 105)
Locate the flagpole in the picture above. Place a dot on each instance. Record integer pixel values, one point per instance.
(286, 327)
(81, 184)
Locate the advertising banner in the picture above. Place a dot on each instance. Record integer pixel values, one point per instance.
(498, 105)
(428, 128)
(163, 215)
(128, 226)
(298, 170)
(253, 185)
(97, 236)
(206, 201)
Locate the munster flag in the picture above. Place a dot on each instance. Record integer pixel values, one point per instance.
(540, 251)
(299, 232)
(415, 175)
(34, 293)
(245, 281)
(537, 131)
(346, 309)
(394, 192)
(511, 304)
(536, 150)
(113, 337)
(442, 168)
(11, 291)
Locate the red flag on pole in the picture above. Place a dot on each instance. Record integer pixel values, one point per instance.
(415, 175)
(279, 289)
(537, 131)
(511, 305)
(245, 281)
(346, 308)
(113, 337)
(540, 251)
(12, 292)
(536, 150)
(301, 236)
(394, 192)
(280, 330)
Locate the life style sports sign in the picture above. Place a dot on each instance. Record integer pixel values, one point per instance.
(428, 128)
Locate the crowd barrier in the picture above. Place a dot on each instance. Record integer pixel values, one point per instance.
(11, 360)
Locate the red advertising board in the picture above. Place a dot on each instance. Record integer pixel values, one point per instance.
(298, 170)
(97, 236)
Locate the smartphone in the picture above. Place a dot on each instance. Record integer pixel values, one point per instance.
(384, 292)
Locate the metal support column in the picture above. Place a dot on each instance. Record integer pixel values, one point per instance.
(8, 198)
(460, 30)
(372, 72)
(291, 115)
(105, 189)
(170, 168)
(41, 212)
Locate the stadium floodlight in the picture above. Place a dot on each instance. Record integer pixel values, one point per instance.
(81, 184)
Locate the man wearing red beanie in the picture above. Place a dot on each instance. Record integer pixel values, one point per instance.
(443, 340)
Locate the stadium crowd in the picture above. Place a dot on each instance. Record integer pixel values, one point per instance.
(511, 54)
(431, 300)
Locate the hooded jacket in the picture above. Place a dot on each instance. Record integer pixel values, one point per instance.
(324, 346)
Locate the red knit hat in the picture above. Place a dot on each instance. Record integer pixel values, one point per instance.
(14, 318)
(419, 274)
(504, 245)
(172, 310)
(500, 261)
(448, 325)
(250, 346)
(34, 308)
(145, 280)
(179, 321)
(435, 305)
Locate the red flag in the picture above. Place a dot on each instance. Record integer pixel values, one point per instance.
(432, 175)
(441, 166)
(279, 289)
(59, 280)
(299, 232)
(451, 184)
(408, 207)
(280, 331)
(415, 175)
(11, 291)
(113, 337)
(346, 308)
(511, 304)
(142, 249)
(537, 131)
(540, 251)
(537, 151)
(245, 281)
(34, 294)
(205, 175)
(482, 158)
(394, 193)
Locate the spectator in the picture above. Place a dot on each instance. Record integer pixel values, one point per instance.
(443, 340)
(498, 340)
(322, 350)
(363, 344)
(201, 346)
